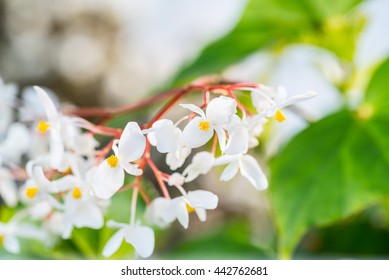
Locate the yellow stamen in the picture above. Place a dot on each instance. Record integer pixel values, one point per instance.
(279, 116)
(67, 171)
(113, 161)
(189, 208)
(77, 193)
(31, 192)
(1, 239)
(204, 125)
(43, 127)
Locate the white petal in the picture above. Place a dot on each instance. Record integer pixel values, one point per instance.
(63, 184)
(114, 224)
(40, 209)
(142, 238)
(88, 215)
(176, 159)
(299, 98)
(238, 141)
(8, 191)
(225, 159)
(48, 105)
(176, 179)
(11, 244)
(156, 212)
(57, 149)
(201, 213)
(40, 178)
(220, 110)
(221, 135)
(131, 168)
(230, 171)
(108, 180)
(29, 231)
(193, 136)
(67, 229)
(56, 224)
(177, 210)
(202, 199)
(167, 136)
(281, 95)
(114, 243)
(201, 164)
(194, 109)
(132, 143)
(250, 169)
(16, 143)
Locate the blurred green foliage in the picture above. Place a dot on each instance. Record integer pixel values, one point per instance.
(274, 24)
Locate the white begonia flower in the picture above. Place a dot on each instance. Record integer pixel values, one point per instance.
(38, 190)
(110, 173)
(165, 136)
(202, 163)
(156, 211)
(7, 97)
(32, 108)
(200, 129)
(9, 233)
(53, 125)
(81, 209)
(194, 201)
(37, 187)
(83, 144)
(248, 167)
(141, 237)
(243, 134)
(176, 159)
(65, 133)
(270, 101)
(8, 190)
(255, 128)
(238, 140)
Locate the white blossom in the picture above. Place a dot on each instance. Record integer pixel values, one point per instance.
(248, 167)
(202, 163)
(8, 190)
(14, 229)
(110, 173)
(201, 128)
(141, 237)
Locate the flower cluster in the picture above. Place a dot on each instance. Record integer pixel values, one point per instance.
(70, 177)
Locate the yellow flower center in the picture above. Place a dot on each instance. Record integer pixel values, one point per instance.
(189, 208)
(77, 193)
(279, 116)
(112, 161)
(204, 125)
(31, 192)
(1, 239)
(43, 127)
(67, 171)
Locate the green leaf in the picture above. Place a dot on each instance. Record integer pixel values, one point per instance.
(231, 240)
(274, 23)
(377, 95)
(333, 169)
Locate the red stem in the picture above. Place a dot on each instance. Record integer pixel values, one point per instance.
(159, 177)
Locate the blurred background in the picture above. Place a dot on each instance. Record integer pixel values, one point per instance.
(107, 53)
